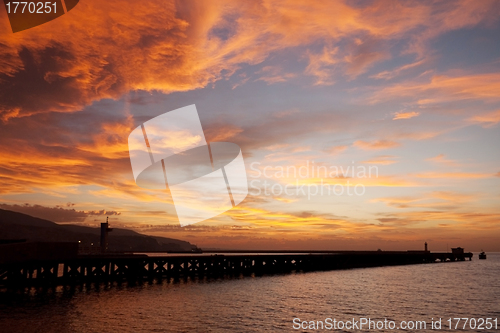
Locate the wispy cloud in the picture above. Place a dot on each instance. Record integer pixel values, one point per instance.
(446, 200)
(487, 119)
(337, 149)
(322, 65)
(405, 115)
(382, 160)
(274, 74)
(376, 145)
(443, 89)
(441, 159)
(453, 175)
(395, 72)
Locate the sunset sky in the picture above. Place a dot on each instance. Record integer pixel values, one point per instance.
(409, 88)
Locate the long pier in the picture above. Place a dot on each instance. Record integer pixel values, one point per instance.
(108, 267)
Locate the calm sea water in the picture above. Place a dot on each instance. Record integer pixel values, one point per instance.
(267, 303)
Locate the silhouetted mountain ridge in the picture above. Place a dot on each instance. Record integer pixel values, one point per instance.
(15, 225)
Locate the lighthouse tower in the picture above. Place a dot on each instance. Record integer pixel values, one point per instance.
(104, 236)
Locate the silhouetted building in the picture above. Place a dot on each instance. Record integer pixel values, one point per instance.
(457, 250)
(105, 229)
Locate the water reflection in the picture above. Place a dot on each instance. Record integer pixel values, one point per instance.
(254, 304)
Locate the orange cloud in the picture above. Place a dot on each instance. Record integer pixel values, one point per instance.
(382, 160)
(322, 66)
(294, 222)
(337, 149)
(405, 115)
(395, 72)
(441, 159)
(272, 75)
(433, 200)
(444, 88)
(376, 145)
(221, 132)
(452, 175)
(111, 141)
(104, 49)
(420, 135)
(454, 196)
(363, 56)
(374, 181)
(455, 219)
(486, 120)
